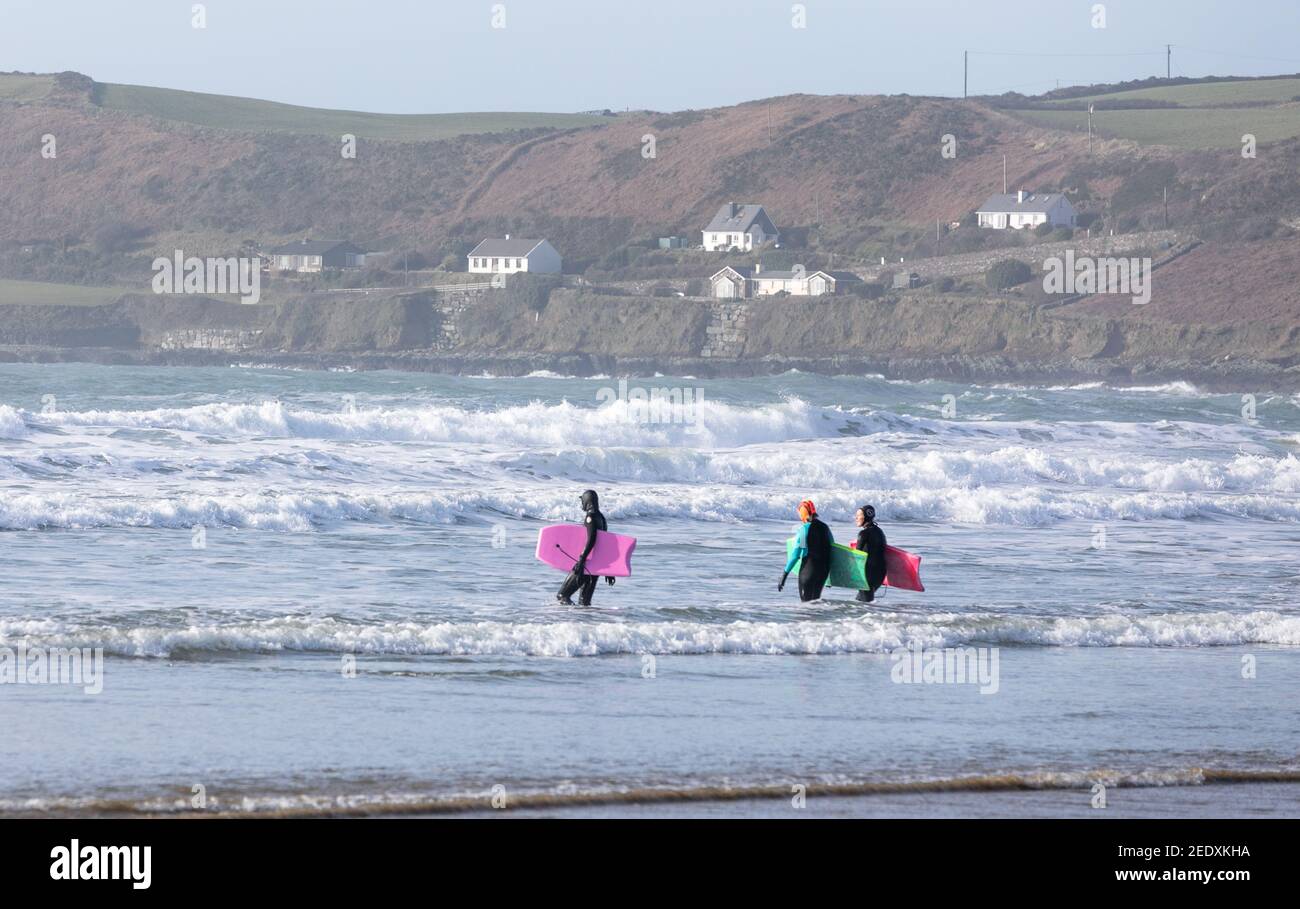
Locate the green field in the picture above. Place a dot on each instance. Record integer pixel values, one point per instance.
(1184, 128)
(227, 112)
(25, 88)
(43, 294)
(1208, 93)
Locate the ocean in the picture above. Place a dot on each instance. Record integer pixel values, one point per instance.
(316, 593)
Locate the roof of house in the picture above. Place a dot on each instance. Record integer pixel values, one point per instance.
(747, 271)
(744, 271)
(508, 246)
(314, 248)
(740, 218)
(1034, 202)
(790, 275)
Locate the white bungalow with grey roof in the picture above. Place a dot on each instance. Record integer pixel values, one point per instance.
(740, 226)
(506, 256)
(317, 255)
(1024, 209)
(746, 281)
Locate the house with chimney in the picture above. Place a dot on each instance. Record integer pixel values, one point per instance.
(506, 256)
(742, 226)
(747, 281)
(1025, 209)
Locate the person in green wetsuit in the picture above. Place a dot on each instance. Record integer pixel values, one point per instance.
(812, 545)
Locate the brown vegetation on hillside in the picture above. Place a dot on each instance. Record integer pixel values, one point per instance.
(839, 174)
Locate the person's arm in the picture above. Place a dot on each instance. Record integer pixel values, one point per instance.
(581, 565)
(876, 546)
(800, 551)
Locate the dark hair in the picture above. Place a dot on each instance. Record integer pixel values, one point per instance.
(868, 512)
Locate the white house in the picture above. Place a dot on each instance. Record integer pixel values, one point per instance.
(317, 255)
(507, 256)
(738, 226)
(1024, 209)
(751, 281)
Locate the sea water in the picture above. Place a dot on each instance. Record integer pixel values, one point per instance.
(317, 592)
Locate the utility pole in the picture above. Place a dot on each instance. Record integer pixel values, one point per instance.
(1169, 50)
(965, 73)
(1090, 108)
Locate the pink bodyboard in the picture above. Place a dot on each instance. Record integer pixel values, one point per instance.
(559, 546)
(902, 569)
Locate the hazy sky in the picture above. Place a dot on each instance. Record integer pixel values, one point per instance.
(414, 56)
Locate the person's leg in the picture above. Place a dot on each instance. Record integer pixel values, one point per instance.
(866, 596)
(810, 586)
(572, 582)
(588, 588)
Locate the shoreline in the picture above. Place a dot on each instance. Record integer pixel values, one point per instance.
(1221, 377)
(997, 795)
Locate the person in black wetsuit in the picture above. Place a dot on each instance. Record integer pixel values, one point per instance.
(871, 540)
(812, 545)
(578, 579)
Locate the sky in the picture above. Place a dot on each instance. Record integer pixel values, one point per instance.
(434, 56)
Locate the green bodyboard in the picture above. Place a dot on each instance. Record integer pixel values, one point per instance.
(848, 566)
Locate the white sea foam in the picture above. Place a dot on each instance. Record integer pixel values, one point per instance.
(304, 511)
(713, 425)
(881, 633)
(12, 425)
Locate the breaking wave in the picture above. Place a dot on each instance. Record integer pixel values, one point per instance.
(878, 633)
(705, 424)
(310, 511)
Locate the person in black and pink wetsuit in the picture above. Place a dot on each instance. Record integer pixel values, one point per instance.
(578, 579)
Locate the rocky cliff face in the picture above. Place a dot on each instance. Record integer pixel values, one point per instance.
(580, 333)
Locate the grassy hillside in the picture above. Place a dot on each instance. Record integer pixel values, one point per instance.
(21, 87)
(226, 112)
(1205, 94)
(1178, 127)
(253, 115)
(40, 293)
(1206, 115)
(848, 180)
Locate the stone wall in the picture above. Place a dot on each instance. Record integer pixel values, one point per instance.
(728, 329)
(221, 339)
(447, 307)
